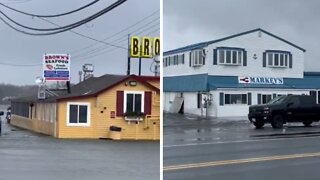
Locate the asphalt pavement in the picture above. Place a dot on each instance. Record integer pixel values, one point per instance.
(31, 156)
(231, 148)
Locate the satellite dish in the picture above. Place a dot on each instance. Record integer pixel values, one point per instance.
(156, 58)
(39, 80)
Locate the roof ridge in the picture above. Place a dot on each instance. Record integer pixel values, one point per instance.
(206, 43)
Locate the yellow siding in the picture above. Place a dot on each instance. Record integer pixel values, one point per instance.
(64, 131)
(101, 107)
(21, 122)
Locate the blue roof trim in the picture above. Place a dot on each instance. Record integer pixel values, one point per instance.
(190, 83)
(186, 48)
(204, 44)
(298, 47)
(204, 82)
(311, 73)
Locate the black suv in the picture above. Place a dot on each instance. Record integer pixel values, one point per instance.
(283, 109)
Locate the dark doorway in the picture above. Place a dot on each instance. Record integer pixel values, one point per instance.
(181, 111)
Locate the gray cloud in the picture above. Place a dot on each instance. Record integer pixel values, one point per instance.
(189, 21)
(23, 49)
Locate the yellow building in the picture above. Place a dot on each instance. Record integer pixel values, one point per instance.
(110, 106)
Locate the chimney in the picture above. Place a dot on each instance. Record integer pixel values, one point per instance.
(68, 87)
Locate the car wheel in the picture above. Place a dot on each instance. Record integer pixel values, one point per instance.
(277, 121)
(307, 123)
(258, 124)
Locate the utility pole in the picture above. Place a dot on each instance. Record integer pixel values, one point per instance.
(80, 76)
(128, 68)
(140, 66)
(157, 65)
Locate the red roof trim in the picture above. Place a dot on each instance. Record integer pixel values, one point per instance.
(148, 78)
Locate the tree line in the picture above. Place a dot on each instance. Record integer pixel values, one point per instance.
(8, 91)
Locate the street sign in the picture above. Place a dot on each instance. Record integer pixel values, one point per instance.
(56, 67)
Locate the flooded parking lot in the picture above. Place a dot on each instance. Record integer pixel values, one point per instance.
(185, 129)
(27, 155)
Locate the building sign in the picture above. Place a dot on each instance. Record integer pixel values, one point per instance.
(259, 80)
(56, 67)
(144, 47)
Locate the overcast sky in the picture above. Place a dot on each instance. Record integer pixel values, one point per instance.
(17, 48)
(191, 21)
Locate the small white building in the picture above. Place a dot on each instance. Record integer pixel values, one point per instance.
(224, 77)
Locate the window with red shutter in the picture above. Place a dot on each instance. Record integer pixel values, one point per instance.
(147, 102)
(119, 111)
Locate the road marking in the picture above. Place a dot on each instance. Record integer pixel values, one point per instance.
(239, 141)
(239, 161)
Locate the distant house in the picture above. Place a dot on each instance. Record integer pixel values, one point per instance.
(131, 103)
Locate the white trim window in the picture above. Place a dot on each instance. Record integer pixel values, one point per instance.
(230, 56)
(166, 61)
(133, 102)
(173, 60)
(78, 114)
(278, 59)
(181, 59)
(197, 57)
(235, 99)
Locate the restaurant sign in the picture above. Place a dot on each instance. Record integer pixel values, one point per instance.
(56, 67)
(259, 80)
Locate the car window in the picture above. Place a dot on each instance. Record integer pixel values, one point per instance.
(294, 101)
(277, 100)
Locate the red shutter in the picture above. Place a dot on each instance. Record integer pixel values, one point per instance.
(119, 103)
(147, 102)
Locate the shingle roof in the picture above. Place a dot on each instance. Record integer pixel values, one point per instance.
(91, 87)
(204, 44)
(96, 85)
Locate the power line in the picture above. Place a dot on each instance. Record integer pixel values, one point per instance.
(101, 41)
(19, 65)
(18, 1)
(98, 14)
(105, 48)
(76, 61)
(115, 34)
(50, 16)
(67, 26)
(124, 37)
(85, 36)
(103, 52)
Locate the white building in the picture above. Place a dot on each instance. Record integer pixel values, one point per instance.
(234, 72)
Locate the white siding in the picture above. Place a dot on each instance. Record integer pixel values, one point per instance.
(253, 44)
(168, 99)
(229, 110)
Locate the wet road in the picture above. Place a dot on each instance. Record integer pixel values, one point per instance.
(30, 156)
(227, 149)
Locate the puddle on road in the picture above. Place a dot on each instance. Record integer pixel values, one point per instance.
(204, 130)
(201, 139)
